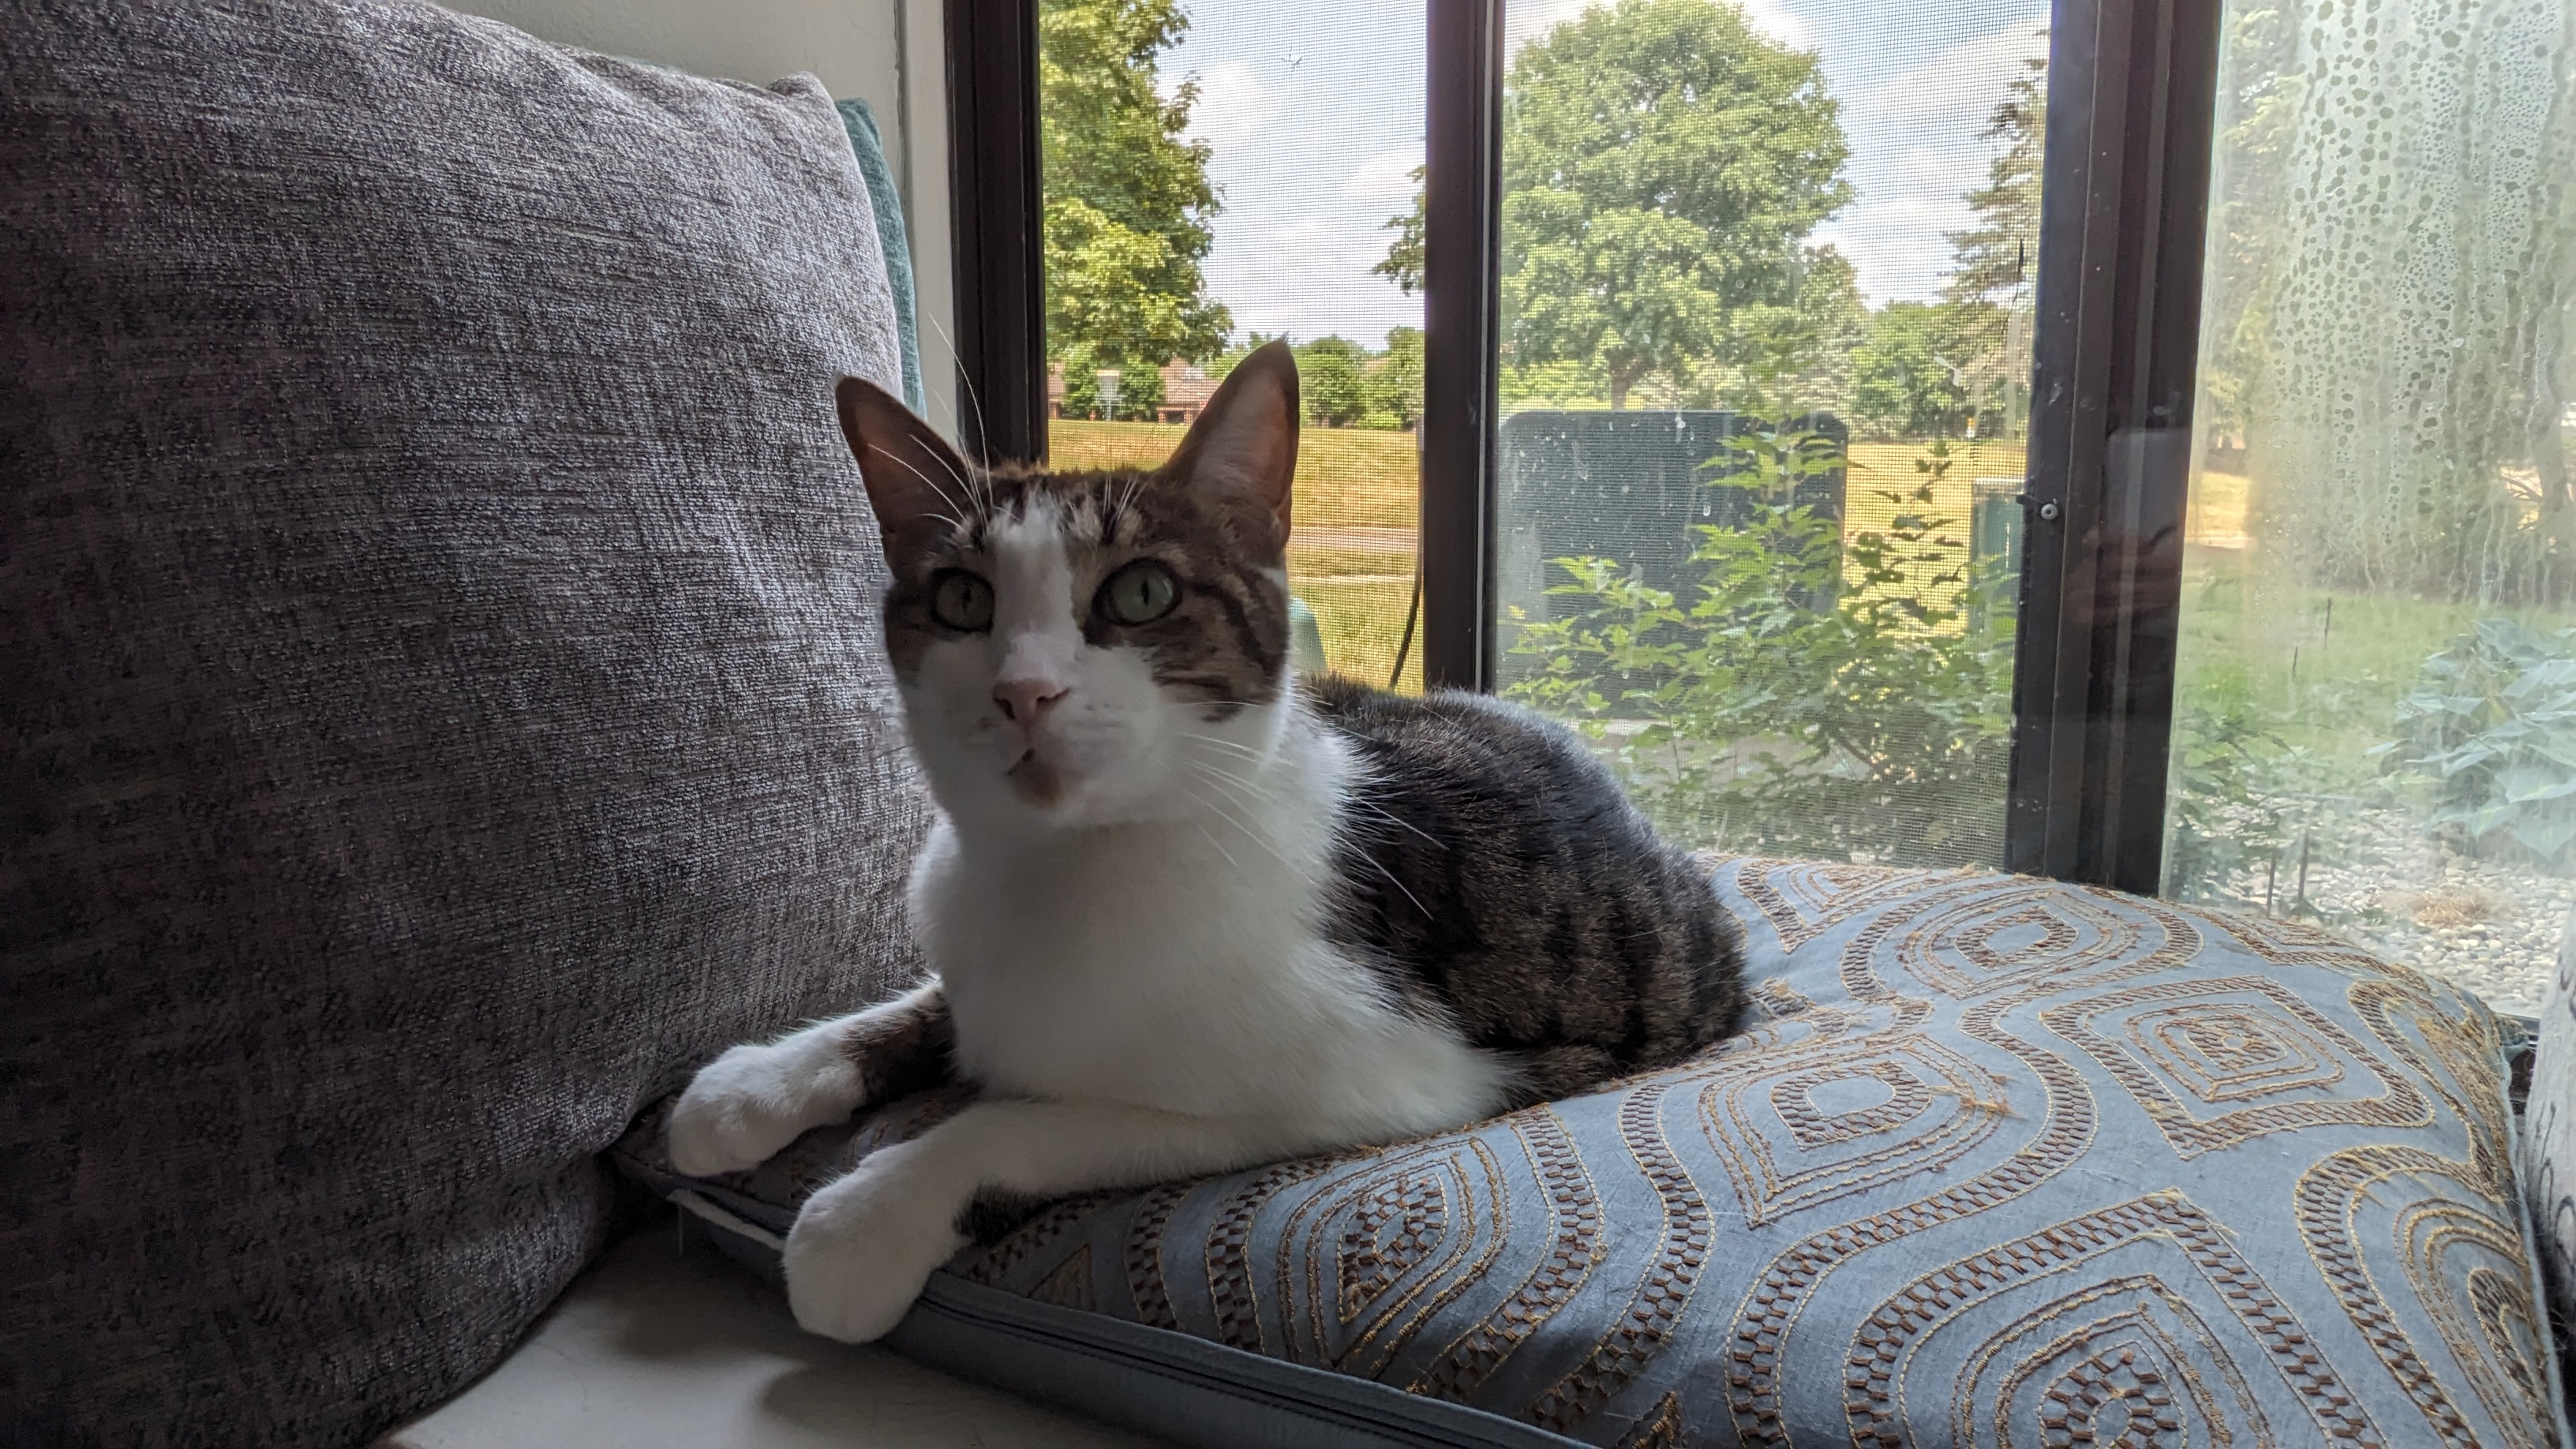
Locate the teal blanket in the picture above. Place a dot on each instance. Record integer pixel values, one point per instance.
(861, 123)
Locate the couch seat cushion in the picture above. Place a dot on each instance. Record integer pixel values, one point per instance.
(1998, 1161)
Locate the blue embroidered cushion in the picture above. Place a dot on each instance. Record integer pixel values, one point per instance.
(1999, 1161)
(2549, 1174)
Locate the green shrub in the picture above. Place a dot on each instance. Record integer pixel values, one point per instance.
(2251, 810)
(1811, 697)
(2489, 733)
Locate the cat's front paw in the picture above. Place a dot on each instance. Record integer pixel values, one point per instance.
(755, 1099)
(863, 1247)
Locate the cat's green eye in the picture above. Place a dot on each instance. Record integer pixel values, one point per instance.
(1139, 593)
(960, 600)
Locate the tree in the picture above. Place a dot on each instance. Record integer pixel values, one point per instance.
(1797, 355)
(1391, 389)
(1403, 263)
(1329, 380)
(1128, 202)
(1662, 162)
(1906, 382)
(1996, 261)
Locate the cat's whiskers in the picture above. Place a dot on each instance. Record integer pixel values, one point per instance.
(983, 430)
(1375, 808)
(1393, 880)
(1357, 788)
(1246, 751)
(1219, 809)
(1217, 845)
(1251, 792)
(1238, 789)
(951, 519)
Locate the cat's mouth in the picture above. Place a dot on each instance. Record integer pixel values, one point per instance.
(1038, 782)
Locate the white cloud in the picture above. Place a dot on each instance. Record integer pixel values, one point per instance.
(1234, 103)
(1899, 245)
(1311, 278)
(1777, 21)
(1386, 176)
(1525, 22)
(1961, 83)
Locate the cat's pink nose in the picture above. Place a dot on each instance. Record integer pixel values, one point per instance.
(1025, 700)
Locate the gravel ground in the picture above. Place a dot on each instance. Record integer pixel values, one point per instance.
(2489, 926)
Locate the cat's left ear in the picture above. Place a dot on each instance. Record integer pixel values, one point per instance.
(1243, 448)
(916, 483)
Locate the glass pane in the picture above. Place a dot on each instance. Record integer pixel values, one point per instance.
(1767, 275)
(2375, 726)
(1218, 175)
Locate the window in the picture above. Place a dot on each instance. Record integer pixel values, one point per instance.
(2204, 529)
(1218, 174)
(1767, 277)
(2375, 715)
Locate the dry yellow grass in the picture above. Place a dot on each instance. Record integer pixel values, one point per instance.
(1351, 559)
(2216, 514)
(1358, 494)
(1346, 477)
(1881, 483)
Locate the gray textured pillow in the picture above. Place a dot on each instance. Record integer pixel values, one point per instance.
(439, 659)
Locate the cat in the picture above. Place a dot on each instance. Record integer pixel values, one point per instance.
(1183, 911)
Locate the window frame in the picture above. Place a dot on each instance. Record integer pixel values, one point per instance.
(2132, 90)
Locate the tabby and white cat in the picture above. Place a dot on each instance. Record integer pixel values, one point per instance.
(1184, 912)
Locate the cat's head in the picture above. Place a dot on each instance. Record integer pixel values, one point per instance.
(1088, 648)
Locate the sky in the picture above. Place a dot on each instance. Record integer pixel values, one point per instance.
(1314, 111)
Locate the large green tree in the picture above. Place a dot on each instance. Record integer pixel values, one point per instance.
(1907, 380)
(1392, 386)
(1403, 263)
(1128, 201)
(1995, 261)
(1662, 164)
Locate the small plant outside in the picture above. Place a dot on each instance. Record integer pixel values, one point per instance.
(1812, 694)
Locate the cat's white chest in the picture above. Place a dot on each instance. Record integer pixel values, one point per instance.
(1167, 977)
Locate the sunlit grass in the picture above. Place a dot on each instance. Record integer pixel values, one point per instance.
(1352, 552)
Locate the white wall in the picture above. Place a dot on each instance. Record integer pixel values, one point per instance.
(885, 52)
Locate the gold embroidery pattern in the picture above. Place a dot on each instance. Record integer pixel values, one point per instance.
(1229, 1250)
(1146, 1286)
(1068, 1284)
(2145, 1320)
(2331, 1197)
(1655, 1306)
(2492, 1322)
(1661, 1429)
(1573, 1247)
(1772, 1305)
(1384, 1248)
(995, 1263)
(2295, 1046)
(1805, 899)
(2509, 1321)
(2224, 1053)
(2285, 942)
(1873, 1399)
(2013, 932)
(1912, 1134)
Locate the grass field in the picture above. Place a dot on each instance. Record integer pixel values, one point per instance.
(1352, 557)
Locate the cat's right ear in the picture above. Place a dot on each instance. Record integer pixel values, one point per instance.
(916, 482)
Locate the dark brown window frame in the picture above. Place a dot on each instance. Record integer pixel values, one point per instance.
(2124, 211)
